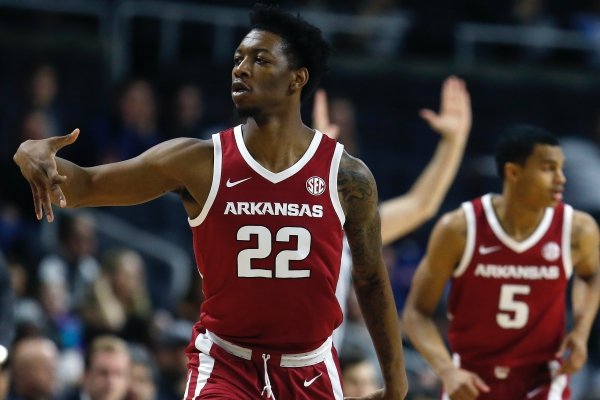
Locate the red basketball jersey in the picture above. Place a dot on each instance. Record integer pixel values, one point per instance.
(507, 299)
(268, 246)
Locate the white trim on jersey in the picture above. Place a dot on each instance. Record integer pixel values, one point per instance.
(334, 377)
(342, 291)
(333, 180)
(470, 243)
(557, 387)
(276, 177)
(518, 247)
(566, 240)
(216, 180)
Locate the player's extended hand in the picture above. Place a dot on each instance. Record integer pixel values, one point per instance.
(461, 384)
(36, 159)
(320, 116)
(573, 352)
(454, 119)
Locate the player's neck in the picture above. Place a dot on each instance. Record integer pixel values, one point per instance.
(277, 143)
(518, 219)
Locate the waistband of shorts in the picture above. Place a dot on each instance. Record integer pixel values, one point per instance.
(502, 370)
(287, 360)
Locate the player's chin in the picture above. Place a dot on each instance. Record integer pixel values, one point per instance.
(552, 203)
(245, 111)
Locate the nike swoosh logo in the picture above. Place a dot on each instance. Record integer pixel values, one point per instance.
(487, 250)
(308, 383)
(232, 184)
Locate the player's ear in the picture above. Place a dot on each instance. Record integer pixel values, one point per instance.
(511, 171)
(299, 79)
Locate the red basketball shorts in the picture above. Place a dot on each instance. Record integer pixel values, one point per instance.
(223, 370)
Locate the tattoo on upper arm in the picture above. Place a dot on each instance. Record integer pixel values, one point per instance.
(358, 194)
(354, 186)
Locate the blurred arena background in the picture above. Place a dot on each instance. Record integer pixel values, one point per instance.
(132, 73)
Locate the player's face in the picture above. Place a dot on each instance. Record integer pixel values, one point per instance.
(541, 179)
(261, 74)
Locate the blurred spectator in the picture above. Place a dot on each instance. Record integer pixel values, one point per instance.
(358, 375)
(144, 375)
(136, 128)
(356, 336)
(107, 371)
(188, 117)
(172, 360)
(118, 301)
(61, 325)
(582, 163)
(33, 368)
(41, 102)
(74, 261)
(343, 114)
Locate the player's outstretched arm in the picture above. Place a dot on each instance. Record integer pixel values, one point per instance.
(586, 291)
(444, 252)
(402, 214)
(161, 169)
(358, 194)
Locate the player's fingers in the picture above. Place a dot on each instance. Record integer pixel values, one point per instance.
(480, 384)
(566, 367)
(451, 98)
(333, 131)
(59, 142)
(429, 116)
(562, 348)
(55, 177)
(47, 204)
(465, 392)
(320, 109)
(58, 194)
(37, 201)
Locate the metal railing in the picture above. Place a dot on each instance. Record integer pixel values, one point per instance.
(115, 22)
(469, 35)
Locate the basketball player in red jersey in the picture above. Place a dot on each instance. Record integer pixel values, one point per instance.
(509, 258)
(268, 202)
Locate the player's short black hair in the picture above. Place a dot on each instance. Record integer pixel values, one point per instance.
(304, 42)
(517, 144)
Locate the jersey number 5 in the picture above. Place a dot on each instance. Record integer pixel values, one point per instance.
(263, 250)
(513, 313)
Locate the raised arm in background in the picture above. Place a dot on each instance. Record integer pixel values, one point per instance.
(404, 213)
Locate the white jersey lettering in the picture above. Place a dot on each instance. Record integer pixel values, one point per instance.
(526, 272)
(266, 208)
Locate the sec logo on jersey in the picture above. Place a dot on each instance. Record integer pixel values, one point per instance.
(315, 185)
(551, 251)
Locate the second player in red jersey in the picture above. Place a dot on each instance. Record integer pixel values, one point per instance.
(509, 258)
